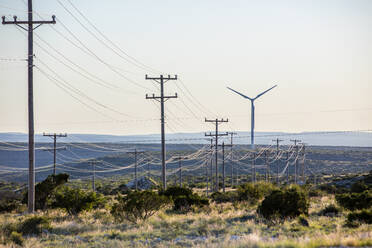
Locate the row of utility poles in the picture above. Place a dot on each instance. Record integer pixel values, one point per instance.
(31, 25)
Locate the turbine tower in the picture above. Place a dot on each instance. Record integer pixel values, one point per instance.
(252, 110)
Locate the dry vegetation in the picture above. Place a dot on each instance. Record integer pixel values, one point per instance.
(219, 225)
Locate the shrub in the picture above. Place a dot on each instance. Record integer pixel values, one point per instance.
(45, 189)
(287, 203)
(219, 197)
(357, 217)
(17, 238)
(313, 192)
(9, 201)
(330, 210)
(185, 202)
(183, 198)
(176, 191)
(355, 201)
(33, 225)
(138, 205)
(76, 200)
(253, 192)
(358, 187)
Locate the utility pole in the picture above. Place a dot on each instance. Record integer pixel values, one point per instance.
(223, 165)
(209, 176)
(161, 80)
(296, 161)
(254, 167)
(277, 163)
(267, 168)
(93, 163)
(55, 136)
(231, 157)
(303, 161)
(288, 168)
(180, 158)
(216, 135)
(135, 167)
(31, 130)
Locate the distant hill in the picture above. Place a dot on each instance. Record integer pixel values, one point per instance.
(361, 139)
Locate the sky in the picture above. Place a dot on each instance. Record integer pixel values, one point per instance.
(318, 53)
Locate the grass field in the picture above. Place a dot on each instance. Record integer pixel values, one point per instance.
(219, 225)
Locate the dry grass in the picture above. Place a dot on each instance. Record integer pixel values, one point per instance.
(223, 225)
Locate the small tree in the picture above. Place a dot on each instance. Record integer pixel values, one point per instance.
(138, 205)
(76, 200)
(287, 203)
(45, 189)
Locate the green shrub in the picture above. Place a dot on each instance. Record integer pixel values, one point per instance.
(45, 189)
(9, 201)
(330, 210)
(138, 205)
(34, 225)
(313, 192)
(76, 200)
(357, 217)
(176, 191)
(17, 238)
(183, 198)
(219, 197)
(355, 201)
(287, 203)
(358, 187)
(253, 192)
(185, 202)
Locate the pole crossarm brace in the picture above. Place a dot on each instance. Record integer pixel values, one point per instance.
(162, 99)
(19, 23)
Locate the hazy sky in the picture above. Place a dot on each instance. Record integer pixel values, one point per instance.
(318, 52)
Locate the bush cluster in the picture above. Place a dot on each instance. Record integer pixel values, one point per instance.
(9, 201)
(219, 197)
(287, 203)
(75, 201)
(184, 198)
(357, 217)
(330, 210)
(253, 192)
(138, 205)
(355, 201)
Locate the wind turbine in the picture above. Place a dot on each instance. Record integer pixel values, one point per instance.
(252, 111)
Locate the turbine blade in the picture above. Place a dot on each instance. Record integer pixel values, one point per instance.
(264, 92)
(239, 93)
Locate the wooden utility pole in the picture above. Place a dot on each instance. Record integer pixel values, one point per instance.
(288, 168)
(303, 161)
(278, 160)
(31, 130)
(135, 167)
(216, 135)
(295, 141)
(93, 163)
(254, 167)
(161, 80)
(223, 165)
(231, 157)
(267, 174)
(209, 176)
(54, 137)
(180, 158)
